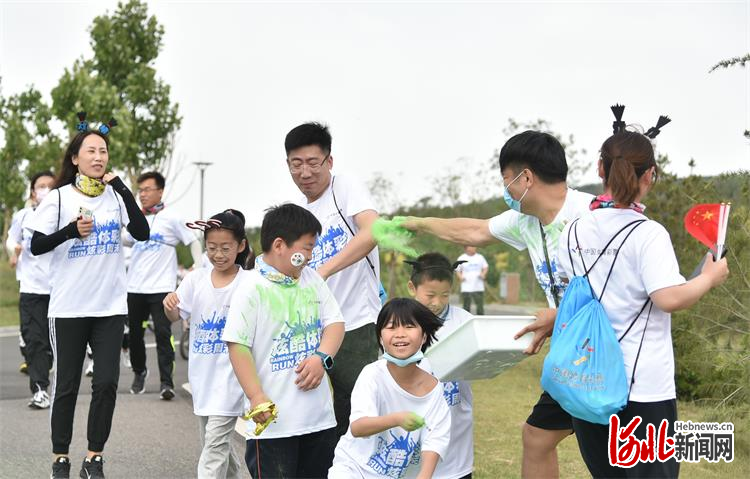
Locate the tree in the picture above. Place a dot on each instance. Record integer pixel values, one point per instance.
(577, 166)
(120, 81)
(730, 62)
(29, 147)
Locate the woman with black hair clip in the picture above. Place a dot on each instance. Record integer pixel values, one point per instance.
(643, 285)
(204, 297)
(80, 223)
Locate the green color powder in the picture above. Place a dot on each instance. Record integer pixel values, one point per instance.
(390, 235)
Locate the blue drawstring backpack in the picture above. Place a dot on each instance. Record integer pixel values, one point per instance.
(584, 370)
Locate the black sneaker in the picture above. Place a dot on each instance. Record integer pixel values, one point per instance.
(61, 468)
(139, 382)
(92, 468)
(166, 393)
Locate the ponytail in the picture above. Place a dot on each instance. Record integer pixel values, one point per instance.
(626, 156)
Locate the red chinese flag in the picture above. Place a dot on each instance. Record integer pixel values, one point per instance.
(702, 222)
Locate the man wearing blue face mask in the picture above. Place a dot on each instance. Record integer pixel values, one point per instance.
(534, 172)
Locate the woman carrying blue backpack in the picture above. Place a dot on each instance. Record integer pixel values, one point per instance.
(632, 270)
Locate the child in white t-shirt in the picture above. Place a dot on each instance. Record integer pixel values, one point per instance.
(430, 284)
(400, 425)
(283, 329)
(204, 297)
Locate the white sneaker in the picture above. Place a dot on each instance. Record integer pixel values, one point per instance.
(40, 399)
(126, 359)
(90, 368)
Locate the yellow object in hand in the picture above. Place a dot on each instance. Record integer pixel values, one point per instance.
(268, 407)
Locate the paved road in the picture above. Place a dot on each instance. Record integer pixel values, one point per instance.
(150, 438)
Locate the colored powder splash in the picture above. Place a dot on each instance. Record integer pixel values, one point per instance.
(417, 421)
(390, 235)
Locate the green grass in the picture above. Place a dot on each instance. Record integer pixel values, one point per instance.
(502, 404)
(8, 295)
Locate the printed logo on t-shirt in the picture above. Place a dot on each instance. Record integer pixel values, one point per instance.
(207, 336)
(104, 239)
(542, 276)
(328, 245)
(452, 393)
(395, 455)
(154, 242)
(298, 342)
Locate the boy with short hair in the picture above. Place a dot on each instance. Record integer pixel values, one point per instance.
(283, 329)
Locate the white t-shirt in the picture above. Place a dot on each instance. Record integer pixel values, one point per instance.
(472, 272)
(215, 389)
(282, 325)
(87, 274)
(646, 263)
(356, 287)
(32, 271)
(522, 232)
(394, 452)
(153, 264)
(459, 460)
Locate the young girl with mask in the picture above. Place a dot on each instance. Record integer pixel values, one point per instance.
(400, 423)
(430, 283)
(203, 297)
(33, 274)
(79, 222)
(637, 279)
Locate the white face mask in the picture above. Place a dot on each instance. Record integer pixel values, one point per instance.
(40, 193)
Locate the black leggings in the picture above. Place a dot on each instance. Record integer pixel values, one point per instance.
(139, 308)
(35, 332)
(69, 337)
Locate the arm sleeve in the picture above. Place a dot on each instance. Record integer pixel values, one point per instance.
(329, 308)
(438, 427)
(242, 318)
(15, 233)
(137, 224)
(352, 196)
(505, 227)
(42, 243)
(364, 395)
(185, 293)
(658, 264)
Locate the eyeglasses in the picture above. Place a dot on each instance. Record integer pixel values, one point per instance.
(213, 251)
(147, 190)
(296, 166)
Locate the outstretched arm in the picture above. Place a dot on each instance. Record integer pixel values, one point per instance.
(461, 231)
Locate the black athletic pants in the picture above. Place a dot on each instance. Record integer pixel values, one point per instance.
(309, 455)
(140, 306)
(35, 333)
(69, 337)
(593, 441)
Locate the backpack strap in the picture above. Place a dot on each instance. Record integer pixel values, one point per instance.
(570, 256)
(638, 354)
(59, 205)
(636, 224)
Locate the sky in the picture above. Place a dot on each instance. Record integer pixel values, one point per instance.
(409, 88)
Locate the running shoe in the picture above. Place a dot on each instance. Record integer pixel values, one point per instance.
(61, 468)
(139, 382)
(92, 468)
(40, 400)
(167, 393)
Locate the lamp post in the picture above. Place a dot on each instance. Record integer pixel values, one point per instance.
(202, 165)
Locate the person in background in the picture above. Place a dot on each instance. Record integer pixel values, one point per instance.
(472, 274)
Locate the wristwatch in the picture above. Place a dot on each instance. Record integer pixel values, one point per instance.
(327, 360)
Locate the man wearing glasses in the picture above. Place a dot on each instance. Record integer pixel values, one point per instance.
(345, 254)
(151, 275)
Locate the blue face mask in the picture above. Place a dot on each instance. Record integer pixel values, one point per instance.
(513, 203)
(402, 363)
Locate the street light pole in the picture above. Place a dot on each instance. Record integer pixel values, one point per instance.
(202, 165)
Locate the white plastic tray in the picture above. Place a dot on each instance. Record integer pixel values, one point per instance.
(481, 348)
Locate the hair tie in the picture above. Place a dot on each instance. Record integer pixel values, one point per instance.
(104, 129)
(82, 123)
(204, 225)
(655, 130)
(618, 125)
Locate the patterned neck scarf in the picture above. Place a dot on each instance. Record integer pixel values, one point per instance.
(154, 209)
(606, 201)
(89, 186)
(272, 274)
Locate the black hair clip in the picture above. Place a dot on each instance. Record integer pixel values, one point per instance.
(459, 263)
(204, 225)
(82, 125)
(655, 130)
(618, 125)
(104, 129)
